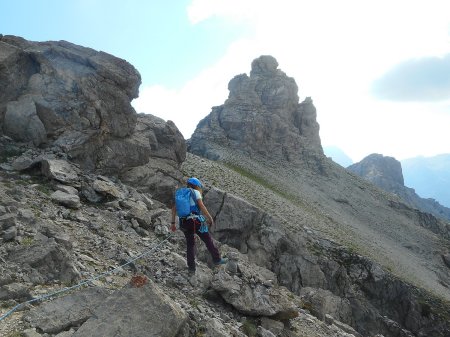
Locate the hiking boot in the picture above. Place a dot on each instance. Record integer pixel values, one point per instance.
(221, 262)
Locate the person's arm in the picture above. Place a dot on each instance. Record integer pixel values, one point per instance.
(173, 227)
(205, 212)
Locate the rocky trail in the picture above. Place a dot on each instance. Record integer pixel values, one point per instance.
(86, 186)
(94, 239)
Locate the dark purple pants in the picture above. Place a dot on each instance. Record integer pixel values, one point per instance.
(190, 228)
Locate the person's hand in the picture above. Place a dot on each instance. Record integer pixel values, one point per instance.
(210, 221)
(173, 227)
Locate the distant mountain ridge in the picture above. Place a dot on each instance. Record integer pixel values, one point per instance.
(428, 176)
(386, 173)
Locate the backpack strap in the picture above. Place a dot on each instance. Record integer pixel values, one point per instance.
(193, 195)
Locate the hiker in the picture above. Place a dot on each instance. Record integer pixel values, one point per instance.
(191, 213)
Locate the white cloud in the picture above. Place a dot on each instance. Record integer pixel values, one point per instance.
(400, 130)
(187, 106)
(200, 10)
(334, 50)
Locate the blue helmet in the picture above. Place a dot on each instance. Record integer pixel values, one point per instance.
(195, 182)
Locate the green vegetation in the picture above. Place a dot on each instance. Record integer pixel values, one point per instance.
(9, 152)
(8, 184)
(28, 241)
(200, 331)
(315, 249)
(249, 328)
(194, 303)
(4, 305)
(432, 305)
(15, 334)
(259, 180)
(282, 192)
(44, 189)
(352, 248)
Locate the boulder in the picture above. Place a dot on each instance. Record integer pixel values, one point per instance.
(143, 311)
(9, 234)
(107, 188)
(254, 298)
(62, 82)
(60, 170)
(66, 199)
(65, 312)
(44, 262)
(66, 189)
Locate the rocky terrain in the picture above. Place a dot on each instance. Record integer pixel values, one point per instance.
(315, 193)
(386, 173)
(85, 190)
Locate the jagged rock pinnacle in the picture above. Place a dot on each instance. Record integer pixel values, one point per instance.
(263, 116)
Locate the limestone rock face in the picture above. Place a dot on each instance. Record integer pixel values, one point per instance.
(262, 115)
(64, 89)
(77, 101)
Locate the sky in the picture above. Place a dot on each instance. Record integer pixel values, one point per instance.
(378, 72)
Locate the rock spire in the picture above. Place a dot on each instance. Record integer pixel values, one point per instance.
(263, 116)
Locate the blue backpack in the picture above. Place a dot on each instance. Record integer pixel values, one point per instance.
(183, 202)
